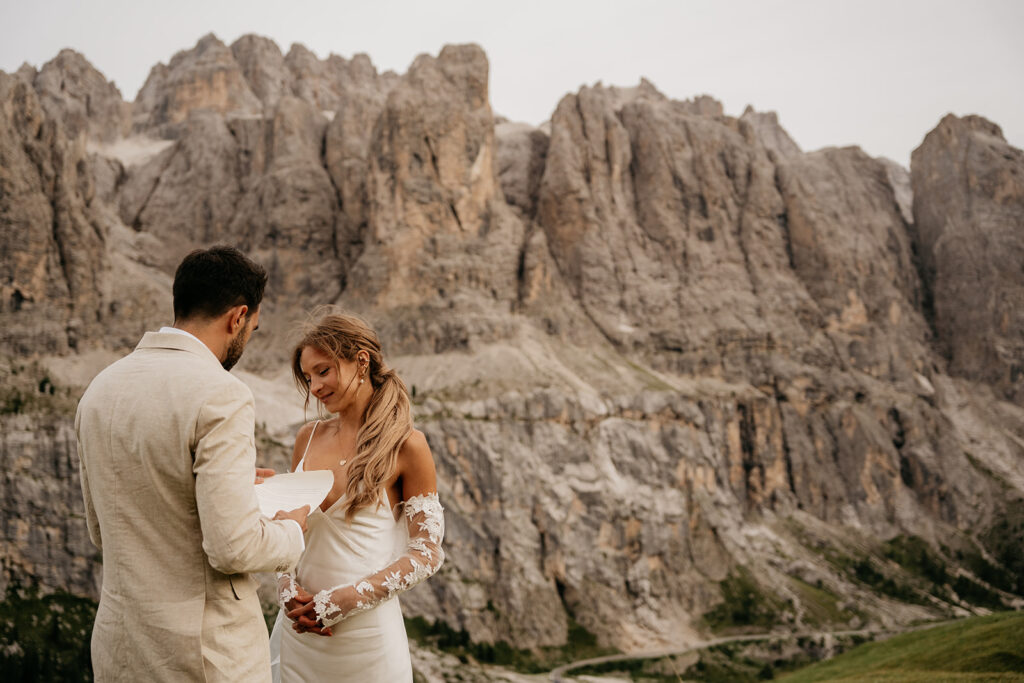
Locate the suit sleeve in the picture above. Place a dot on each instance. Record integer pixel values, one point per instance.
(91, 520)
(236, 538)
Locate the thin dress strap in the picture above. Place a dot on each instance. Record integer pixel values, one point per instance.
(302, 460)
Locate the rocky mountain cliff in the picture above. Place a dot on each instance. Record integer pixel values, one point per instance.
(676, 373)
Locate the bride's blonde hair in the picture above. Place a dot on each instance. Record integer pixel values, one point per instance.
(388, 420)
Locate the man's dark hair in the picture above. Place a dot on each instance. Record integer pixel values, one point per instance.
(208, 282)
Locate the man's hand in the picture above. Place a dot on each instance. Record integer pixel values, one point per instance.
(263, 473)
(298, 514)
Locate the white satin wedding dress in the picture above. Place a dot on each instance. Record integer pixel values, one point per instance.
(355, 569)
(370, 646)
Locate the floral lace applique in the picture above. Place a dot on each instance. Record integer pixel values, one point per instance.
(287, 589)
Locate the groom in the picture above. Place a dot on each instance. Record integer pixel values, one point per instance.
(165, 437)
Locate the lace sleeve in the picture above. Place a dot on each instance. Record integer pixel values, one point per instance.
(287, 589)
(423, 557)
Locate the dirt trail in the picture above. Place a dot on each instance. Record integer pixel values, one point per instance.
(557, 674)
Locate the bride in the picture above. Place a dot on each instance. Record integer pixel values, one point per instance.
(379, 530)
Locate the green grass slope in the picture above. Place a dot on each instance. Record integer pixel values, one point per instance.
(977, 649)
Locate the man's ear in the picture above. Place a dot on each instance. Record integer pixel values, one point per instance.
(236, 318)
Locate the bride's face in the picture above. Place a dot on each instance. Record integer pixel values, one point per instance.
(332, 382)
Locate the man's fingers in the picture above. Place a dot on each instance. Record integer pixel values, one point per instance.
(299, 515)
(262, 473)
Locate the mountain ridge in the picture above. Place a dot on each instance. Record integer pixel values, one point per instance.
(651, 345)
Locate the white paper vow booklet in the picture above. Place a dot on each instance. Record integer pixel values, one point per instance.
(290, 491)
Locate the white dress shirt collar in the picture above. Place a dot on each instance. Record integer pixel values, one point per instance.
(176, 330)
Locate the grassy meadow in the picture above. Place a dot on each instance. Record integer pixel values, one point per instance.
(989, 648)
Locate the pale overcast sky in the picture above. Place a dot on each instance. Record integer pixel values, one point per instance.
(876, 73)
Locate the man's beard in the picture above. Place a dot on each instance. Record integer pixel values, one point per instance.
(235, 350)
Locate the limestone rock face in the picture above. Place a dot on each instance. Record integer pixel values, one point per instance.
(348, 146)
(312, 79)
(329, 84)
(254, 173)
(522, 151)
(27, 73)
(264, 68)
(205, 77)
(899, 179)
(439, 237)
(71, 90)
(849, 245)
(52, 245)
(968, 209)
(664, 223)
(438, 133)
(773, 136)
(189, 190)
(44, 530)
(288, 214)
(248, 79)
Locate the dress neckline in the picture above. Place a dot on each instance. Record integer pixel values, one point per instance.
(301, 467)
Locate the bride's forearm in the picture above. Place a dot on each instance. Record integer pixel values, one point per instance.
(423, 557)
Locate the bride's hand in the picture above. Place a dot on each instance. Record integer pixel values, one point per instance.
(301, 598)
(292, 597)
(303, 616)
(344, 600)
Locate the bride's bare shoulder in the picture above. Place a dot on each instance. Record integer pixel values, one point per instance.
(415, 455)
(415, 445)
(304, 432)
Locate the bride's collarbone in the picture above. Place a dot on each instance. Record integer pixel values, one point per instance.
(332, 451)
(338, 462)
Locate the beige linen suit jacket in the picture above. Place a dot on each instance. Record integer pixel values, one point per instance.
(165, 437)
